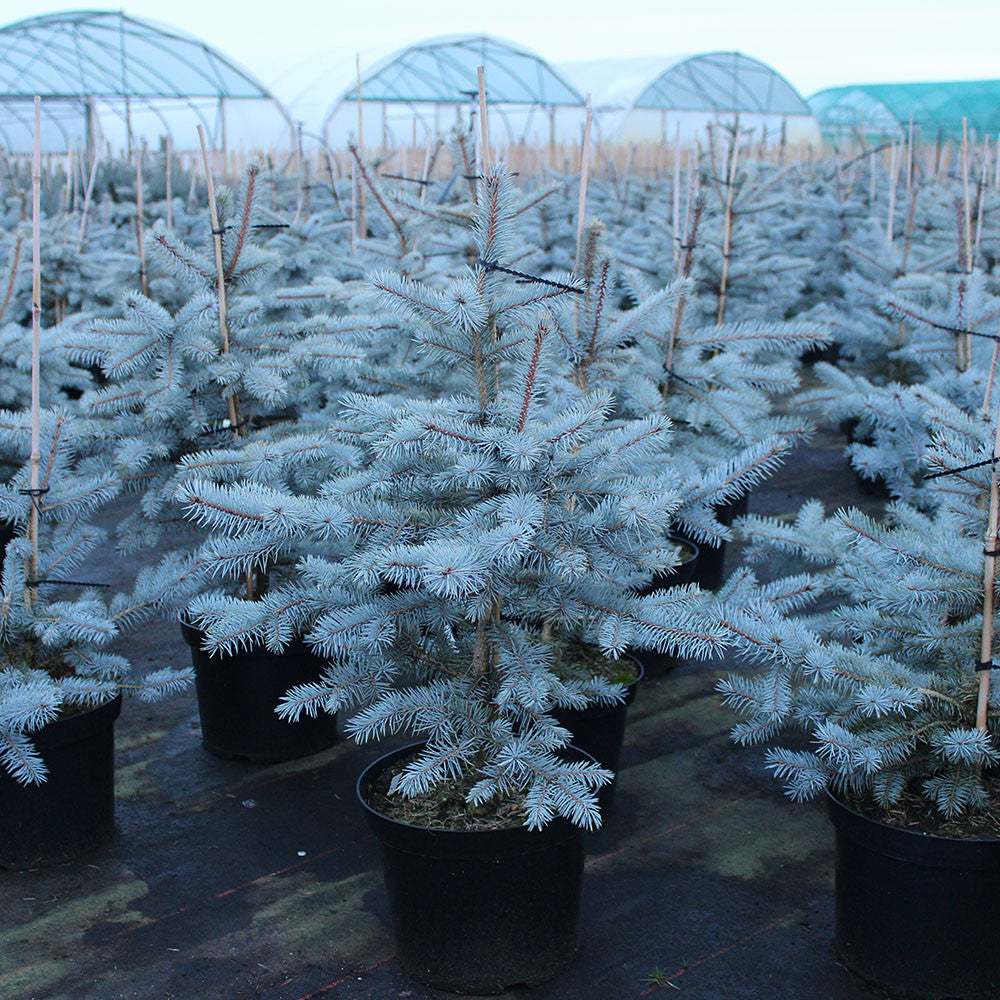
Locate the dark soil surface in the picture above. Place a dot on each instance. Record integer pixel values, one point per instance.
(236, 881)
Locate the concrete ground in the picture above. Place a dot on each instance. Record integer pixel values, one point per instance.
(235, 881)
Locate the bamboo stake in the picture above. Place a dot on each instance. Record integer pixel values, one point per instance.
(584, 174)
(360, 218)
(966, 202)
(36, 333)
(909, 160)
(168, 179)
(893, 179)
(989, 575)
(727, 237)
(981, 198)
(232, 402)
(88, 195)
(484, 125)
(140, 208)
(676, 195)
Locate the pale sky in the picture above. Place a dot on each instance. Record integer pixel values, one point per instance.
(814, 45)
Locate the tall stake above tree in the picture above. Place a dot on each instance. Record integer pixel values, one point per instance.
(36, 330)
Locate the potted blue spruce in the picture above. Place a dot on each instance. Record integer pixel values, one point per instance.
(892, 692)
(480, 524)
(223, 389)
(60, 685)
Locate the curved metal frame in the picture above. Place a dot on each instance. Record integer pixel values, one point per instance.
(440, 46)
(109, 32)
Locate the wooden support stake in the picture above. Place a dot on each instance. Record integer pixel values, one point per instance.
(584, 174)
(676, 195)
(232, 403)
(360, 218)
(140, 209)
(966, 201)
(168, 180)
(88, 195)
(484, 124)
(989, 575)
(36, 334)
(893, 180)
(727, 234)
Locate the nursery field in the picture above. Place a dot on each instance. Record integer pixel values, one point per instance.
(683, 471)
(232, 881)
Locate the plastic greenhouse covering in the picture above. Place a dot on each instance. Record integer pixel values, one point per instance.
(85, 63)
(423, 80)
(632, 96)
(884, 110)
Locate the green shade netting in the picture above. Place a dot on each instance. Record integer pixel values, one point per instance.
(937, 109)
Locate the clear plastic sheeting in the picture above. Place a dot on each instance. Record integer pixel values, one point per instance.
(884, 110)
(426, 87)
(650, 99)
(92, 66)
(723, 82)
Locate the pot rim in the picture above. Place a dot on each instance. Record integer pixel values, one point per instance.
(903, 830)
(80, 725)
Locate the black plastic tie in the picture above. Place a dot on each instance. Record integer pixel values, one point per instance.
(984, 665)
(271, 225)
(680, 378)
(36, 495)
(410, 180)
(492, 265)
(991, 552)
(66, 583)
(964, 468)
(221, 231)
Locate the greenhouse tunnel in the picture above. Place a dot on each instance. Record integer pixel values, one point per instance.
(108, 78)
(651, 98)
(426, 87)
(884, 110)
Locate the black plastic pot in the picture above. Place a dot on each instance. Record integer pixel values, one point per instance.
(237, 695)
(73, 811)
(917, 913)
(478, 911)
(710, 566)
(599, 730)
(656, 664)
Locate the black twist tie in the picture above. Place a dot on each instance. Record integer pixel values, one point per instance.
(36, 495)
(220, 231)
(964, 468)
(956, 330)
(410, 180)
(479, 177)
(984, 665)
(66, 583)
(271, 225)
(991, 552)
(239, 425)
(492, 265)
(680, 378)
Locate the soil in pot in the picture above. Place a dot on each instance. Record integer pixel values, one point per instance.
(710, 565)
(237, 695)
(916, 912)
(656, 664)
(73, 812)
(477, 910)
